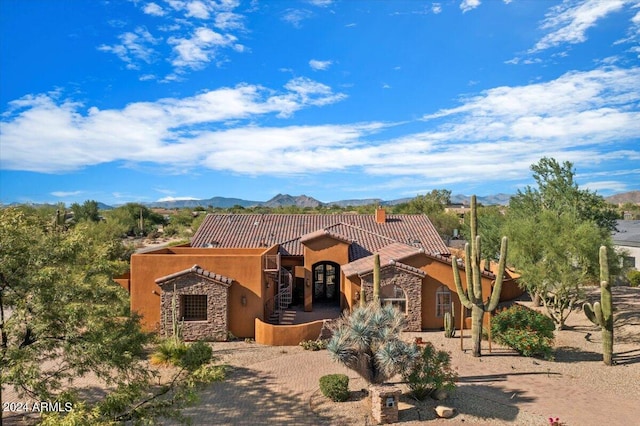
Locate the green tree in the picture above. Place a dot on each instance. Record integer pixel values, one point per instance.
(557, 191)
(61, 315)
(135, 218)
(88, 211)
(555, 231)
(429, 204)
(490, 222)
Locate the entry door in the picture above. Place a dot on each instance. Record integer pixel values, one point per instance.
(326, 282)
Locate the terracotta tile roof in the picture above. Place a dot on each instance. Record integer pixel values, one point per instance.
(323, 233)
(389, 255)
(195, 269)
(286, 230)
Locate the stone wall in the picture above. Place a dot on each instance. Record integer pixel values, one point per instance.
(384, 403)
(410, 283)
(216, 326)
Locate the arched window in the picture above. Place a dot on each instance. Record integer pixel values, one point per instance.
(395, 296)
(444, 301)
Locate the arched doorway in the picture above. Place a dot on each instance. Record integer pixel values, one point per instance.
(326, 282)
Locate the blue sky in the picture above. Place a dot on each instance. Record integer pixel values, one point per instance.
(132, 100)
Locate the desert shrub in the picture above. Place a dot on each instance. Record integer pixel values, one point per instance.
(368, 341)
(335, 387)
(527, 331)
(180, 354)
(196, 355)
(432, 371)
(169, 351)
(634, 278)
(313, 345)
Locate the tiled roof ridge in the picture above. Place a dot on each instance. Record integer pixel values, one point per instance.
(324, 232)
(406, 267)
(195, 269)
(361, 229)
(447, 259)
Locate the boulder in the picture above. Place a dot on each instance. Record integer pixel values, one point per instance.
(444, 412)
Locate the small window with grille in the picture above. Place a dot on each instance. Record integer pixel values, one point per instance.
(193, 307)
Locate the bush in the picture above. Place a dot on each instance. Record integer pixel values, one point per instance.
(169, 351)
(197, 354)
(313, 345)
(634, 278)
(432, 371)
(180, 354)
(525, 330)
(335, 387)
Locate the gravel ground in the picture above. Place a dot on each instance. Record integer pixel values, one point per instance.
(279, 385)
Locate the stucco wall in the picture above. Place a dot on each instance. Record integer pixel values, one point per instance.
(244, 266)
(286, 335)
(438, 273)
(323, 249)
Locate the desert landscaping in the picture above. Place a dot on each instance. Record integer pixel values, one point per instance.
(279, 385)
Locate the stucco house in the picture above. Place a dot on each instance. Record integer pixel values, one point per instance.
(626, 240)
(241, 271)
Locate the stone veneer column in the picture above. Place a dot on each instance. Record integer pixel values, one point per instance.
(216, 326)
(384, 403)
(410, 283)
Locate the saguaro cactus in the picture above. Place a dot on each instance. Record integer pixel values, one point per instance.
(601, 313)
(449, 328)
(473, 299)
(376, 278)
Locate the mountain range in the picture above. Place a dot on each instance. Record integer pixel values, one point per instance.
(302, 201)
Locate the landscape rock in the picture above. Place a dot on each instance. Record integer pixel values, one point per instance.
(444, 412)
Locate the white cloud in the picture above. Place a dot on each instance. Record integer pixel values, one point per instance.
(159, 132)
(467, 5)
(569, 21)
(321, 3)
(229, 21)
(200, 49)
(585, 117)
(64, 194)
(187, 26)
(317, 65)
(134, 47)
(436, 8)
(176, 199)
(153, 9)
(606, 185)
(296, 16)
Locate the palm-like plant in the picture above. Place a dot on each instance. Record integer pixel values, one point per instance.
(368, 342)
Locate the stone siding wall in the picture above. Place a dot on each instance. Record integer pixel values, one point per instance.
(410, 283)
(215, 327)
(384, 403)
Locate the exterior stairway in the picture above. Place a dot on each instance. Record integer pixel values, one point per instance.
(283, 298)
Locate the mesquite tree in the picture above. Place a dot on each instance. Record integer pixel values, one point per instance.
(473, 298)
(601, 313)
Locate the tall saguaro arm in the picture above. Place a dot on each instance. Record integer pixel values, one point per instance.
(601, 313)
(473, 298)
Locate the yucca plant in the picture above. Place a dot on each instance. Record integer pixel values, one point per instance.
(368, 342)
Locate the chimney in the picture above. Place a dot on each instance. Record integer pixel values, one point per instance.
(381, 216)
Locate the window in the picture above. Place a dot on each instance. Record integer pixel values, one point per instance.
(628, 262)
(443, 301)
(394, 296)
(193, 307)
